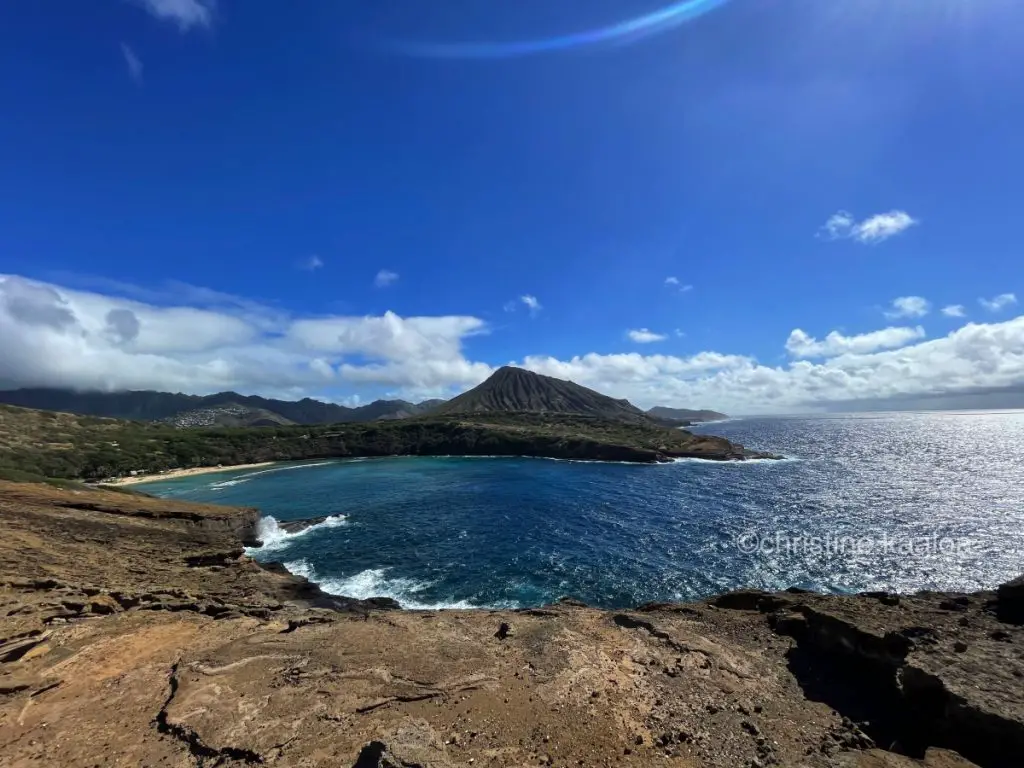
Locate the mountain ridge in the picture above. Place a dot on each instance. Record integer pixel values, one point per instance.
(153, 405)
(517, 390)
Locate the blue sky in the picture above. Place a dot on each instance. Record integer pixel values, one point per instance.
(300, 201)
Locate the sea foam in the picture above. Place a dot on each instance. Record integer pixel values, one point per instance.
(373, 582)
(288, 468)
(230, 483)
(731, 463)
(275, 538)
(245, 478)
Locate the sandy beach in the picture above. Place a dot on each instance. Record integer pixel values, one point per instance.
(173, 473)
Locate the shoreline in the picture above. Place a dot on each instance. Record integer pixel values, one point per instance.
(173, 474)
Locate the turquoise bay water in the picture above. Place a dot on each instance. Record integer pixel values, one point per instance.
(900, 502)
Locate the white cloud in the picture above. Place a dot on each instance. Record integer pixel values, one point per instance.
(35, 305)
(998, 303)
(645, 336)
(671, 281)
(177, 293)
(954, 310)
(675, 283)
(133, 62)
(883, 226)
(320, 366)
(184, 13)
(57, 336)
(419, 379)
(531, 303)
(908, 306)
(633, 367)
(801, 345)
(838, 226)
(388, 336)
(54, 336)
(385, 278)
(972, 358)
(874, 229)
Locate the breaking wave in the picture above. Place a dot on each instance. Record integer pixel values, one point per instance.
(230, 483)
(275, 538)
(745, 462)
(250, 475)
(374, 582)
(287, 468)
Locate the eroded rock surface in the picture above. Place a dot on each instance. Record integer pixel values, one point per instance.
(151, 641)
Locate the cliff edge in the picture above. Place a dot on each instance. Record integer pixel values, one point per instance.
(135, 631)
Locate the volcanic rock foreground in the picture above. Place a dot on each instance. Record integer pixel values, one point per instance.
(135, 632)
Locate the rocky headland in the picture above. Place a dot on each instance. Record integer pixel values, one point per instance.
(42, 444)
(513, 413)
(134, 631)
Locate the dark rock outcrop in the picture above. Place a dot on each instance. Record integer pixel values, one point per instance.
(921, 673)
(1010, 601)
(294, 526)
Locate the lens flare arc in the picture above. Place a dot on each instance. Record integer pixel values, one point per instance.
(658, 21)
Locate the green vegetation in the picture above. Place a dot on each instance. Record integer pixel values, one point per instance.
(127, 490)
(513, 413)
(65, 446)
(18, 476)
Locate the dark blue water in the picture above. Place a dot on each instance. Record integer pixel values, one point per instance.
(899, 502)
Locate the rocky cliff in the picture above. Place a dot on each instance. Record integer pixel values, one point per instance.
(133, 632)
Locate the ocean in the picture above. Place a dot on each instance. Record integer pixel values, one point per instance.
(896, 501)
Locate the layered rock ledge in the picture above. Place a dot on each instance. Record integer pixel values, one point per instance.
(135, 632)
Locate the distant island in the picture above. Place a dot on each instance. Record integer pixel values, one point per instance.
(513, 413)
(685, 414)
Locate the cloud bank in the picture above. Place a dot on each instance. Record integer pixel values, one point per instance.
(204, 341)
(801, 345)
